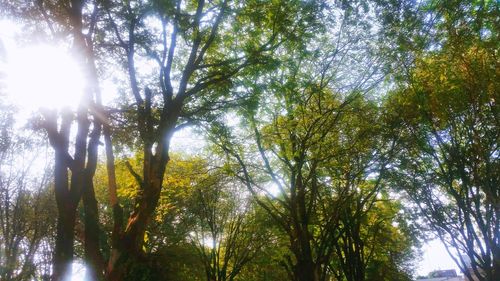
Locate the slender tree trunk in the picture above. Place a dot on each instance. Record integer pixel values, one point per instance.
(95, 262)
(112, 273)
(496, 266)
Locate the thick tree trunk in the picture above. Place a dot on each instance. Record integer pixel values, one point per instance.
(496, 269)
(128, 246)
(305, 270)
(63, 254)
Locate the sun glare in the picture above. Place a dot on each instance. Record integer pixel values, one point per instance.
(43, 76)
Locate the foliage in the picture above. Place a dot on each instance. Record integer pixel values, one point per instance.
(448, 117)
(310, 149)
(374, 243)
(201, 204)
(27, 223)
(314, 147)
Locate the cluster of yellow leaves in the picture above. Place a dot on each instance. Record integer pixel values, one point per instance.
(319, 122)
(183, 174)
(444, 85)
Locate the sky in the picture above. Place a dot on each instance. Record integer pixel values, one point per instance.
(46, 76)
(38, 75)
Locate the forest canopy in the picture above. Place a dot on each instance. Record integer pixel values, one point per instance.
(228, 140)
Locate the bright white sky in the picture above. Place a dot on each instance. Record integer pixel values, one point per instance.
(46, 76)
(39, 75)
(435, 257)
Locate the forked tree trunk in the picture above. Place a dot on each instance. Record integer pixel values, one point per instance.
(67, 192)
(82, 166)
(66, 200)
(127, 244)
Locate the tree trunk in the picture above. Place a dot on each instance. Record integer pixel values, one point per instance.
(128, 246)
(66, 206)
(95, 262)
(496, 263)
(93, 256)
(63, 254)
(305, 270)
(68, 193)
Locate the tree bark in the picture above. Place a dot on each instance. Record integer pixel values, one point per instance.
(95, 261)
(63, 254)
(305, 270)
(66, 197)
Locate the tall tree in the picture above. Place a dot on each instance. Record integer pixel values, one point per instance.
(73, 23)
(450, 162)
(297, 126)
(196, 48)
(307, 141)
(448, 115)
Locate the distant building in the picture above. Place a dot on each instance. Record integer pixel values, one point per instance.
(443, 275)
(458, 278)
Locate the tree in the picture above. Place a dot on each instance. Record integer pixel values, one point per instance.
(199, 50)
(448, 115)
(26, 208)
(296, 124)
(306, 140)
(202, 217)
(447, 94)
(374, 242)
(226, 234)
(168, 252)
(74, 162)
(200, 46)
